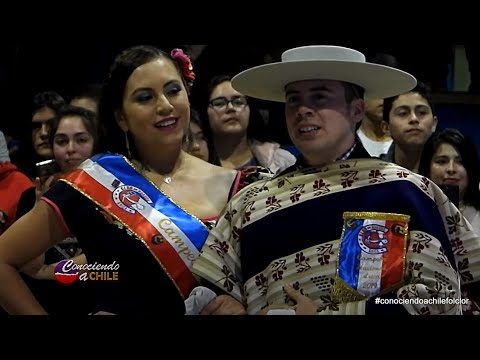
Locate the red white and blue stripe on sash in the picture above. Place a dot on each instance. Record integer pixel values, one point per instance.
(112, 182)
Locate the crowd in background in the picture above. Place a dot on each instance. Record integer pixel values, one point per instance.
(231, 140)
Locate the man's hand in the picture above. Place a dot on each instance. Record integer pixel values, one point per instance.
(224, 305)
(304, 305)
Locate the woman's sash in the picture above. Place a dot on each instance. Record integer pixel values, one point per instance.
(172, 235)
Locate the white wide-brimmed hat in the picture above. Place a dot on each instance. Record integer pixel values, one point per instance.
(321, 62)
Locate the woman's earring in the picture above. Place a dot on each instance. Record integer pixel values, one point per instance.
(127, 144)
(187, 141)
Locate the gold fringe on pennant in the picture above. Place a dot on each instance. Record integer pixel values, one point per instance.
(344, 293)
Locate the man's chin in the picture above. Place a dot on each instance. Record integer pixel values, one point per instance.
(311, 149)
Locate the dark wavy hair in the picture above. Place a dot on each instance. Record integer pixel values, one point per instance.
(112, 95)
(49, 99)
(469, 155)
(88, 119)
(89, 91)
(27, 156)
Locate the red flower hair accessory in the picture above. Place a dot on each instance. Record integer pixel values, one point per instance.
(185, 65)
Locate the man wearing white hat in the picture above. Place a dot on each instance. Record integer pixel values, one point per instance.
(338, 233)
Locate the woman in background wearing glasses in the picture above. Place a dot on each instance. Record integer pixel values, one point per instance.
(238, 131)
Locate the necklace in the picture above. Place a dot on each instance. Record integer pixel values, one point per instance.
(167, 179)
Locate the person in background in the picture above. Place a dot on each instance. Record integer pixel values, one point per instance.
(35, 146)
(45, 107)
(239, 134)
(410, 119)
(13, 145)
(12, 184)
(88, 97)
(371, 132)
(450, 160)
(197, 144)
(74, 138)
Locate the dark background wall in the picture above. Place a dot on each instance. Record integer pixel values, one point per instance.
(29, 67)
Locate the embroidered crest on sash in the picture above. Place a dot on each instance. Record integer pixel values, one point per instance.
(173, 236)
(128, 198)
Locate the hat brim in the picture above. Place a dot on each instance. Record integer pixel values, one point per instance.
(268, 81)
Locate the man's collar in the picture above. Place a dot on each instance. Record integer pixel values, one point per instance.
(301, 161)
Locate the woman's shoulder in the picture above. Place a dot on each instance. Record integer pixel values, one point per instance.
(203, 168)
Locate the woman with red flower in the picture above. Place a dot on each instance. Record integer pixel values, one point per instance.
(145, 210)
